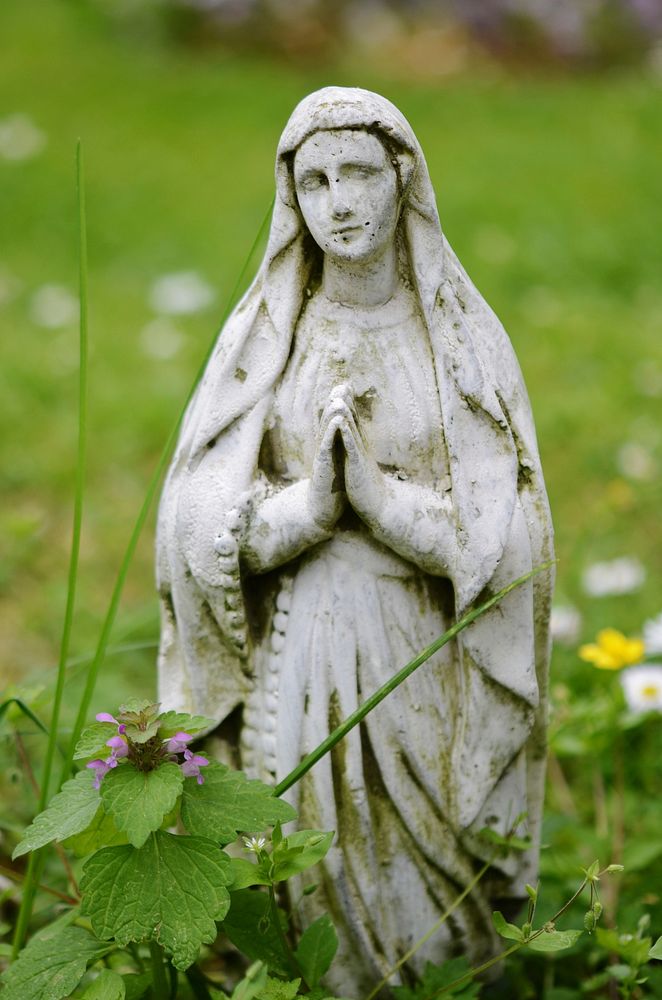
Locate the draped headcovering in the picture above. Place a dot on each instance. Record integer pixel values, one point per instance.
(498, 500)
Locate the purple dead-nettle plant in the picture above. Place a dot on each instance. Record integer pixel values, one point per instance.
(140, 743)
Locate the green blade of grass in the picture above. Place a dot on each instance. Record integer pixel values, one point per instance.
(353, 720)
(152, 488)
(36, 863)
(25, 710)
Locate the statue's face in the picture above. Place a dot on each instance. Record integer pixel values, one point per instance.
(348, 194)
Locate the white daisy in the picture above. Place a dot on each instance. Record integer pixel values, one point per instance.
(653, 634)
(180, 293)
(642, 687)
(619, 576)
(565, 624)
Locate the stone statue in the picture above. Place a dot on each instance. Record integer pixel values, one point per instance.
(358, 468)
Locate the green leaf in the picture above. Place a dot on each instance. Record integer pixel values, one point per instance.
(246, 874)
(171, 723)
(254, 981)
(250, 927)
(592, 871)
(139, 800)
(107, 986)
(554, 940)
(172, 890)
(227, 803)
(633, 949)
(92, 742)
(656, 950)
(298, 852)
(101, 832)
(316, 950)
(136, 986)
(276, 989)
(504, 929)
(69, 812)
(52, 964)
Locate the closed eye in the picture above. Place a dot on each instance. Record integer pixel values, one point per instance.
(312, 181)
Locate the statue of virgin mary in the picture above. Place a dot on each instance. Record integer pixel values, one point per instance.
(357, 469)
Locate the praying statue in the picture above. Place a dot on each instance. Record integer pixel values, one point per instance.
(356, 471)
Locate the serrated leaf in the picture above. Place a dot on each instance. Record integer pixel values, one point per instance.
(69, 812)
(171, 723)
(246, 874)
(317, 949)
(554, 940)
(228, 803)
(250, 927)
(656, 950)
(51, 966)
(504, 929)
(298, 852)
(92, 742)
(139, 800)
(171, 890)
(108, 985)
(101, 832)
(276, 989)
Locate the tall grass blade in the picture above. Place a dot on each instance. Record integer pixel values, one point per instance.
(152, 488)
(25, 710)
(353, 720)
(35, 863)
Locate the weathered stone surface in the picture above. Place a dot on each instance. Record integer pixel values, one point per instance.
(358, 467)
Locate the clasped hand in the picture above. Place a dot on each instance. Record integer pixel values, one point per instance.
(343, 469)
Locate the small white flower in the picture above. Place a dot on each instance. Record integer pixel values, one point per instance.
(565, 624)
(255, 844)
(180, 293)
(53, 306)
(642, 687)
(161, 339)
(635, 461)
(620, 576)
(20, 139)
(653, 634)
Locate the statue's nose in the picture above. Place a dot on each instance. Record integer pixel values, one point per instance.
(340, 207)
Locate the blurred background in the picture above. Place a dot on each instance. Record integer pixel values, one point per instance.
(542, 124)
(541, 121)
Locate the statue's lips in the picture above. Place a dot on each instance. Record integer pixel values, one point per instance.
(347, 231)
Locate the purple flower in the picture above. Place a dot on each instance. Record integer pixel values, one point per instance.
(118, 747)
(192, 764)
(101, 769)
(177, 743)
(107, 717)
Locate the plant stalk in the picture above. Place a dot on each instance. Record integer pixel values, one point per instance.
(32, 874)
(159, 981)
(433, 930)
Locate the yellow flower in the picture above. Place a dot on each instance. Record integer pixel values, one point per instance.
(612, 650)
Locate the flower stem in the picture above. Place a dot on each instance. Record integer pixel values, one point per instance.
(159, 981)
(197, 983)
